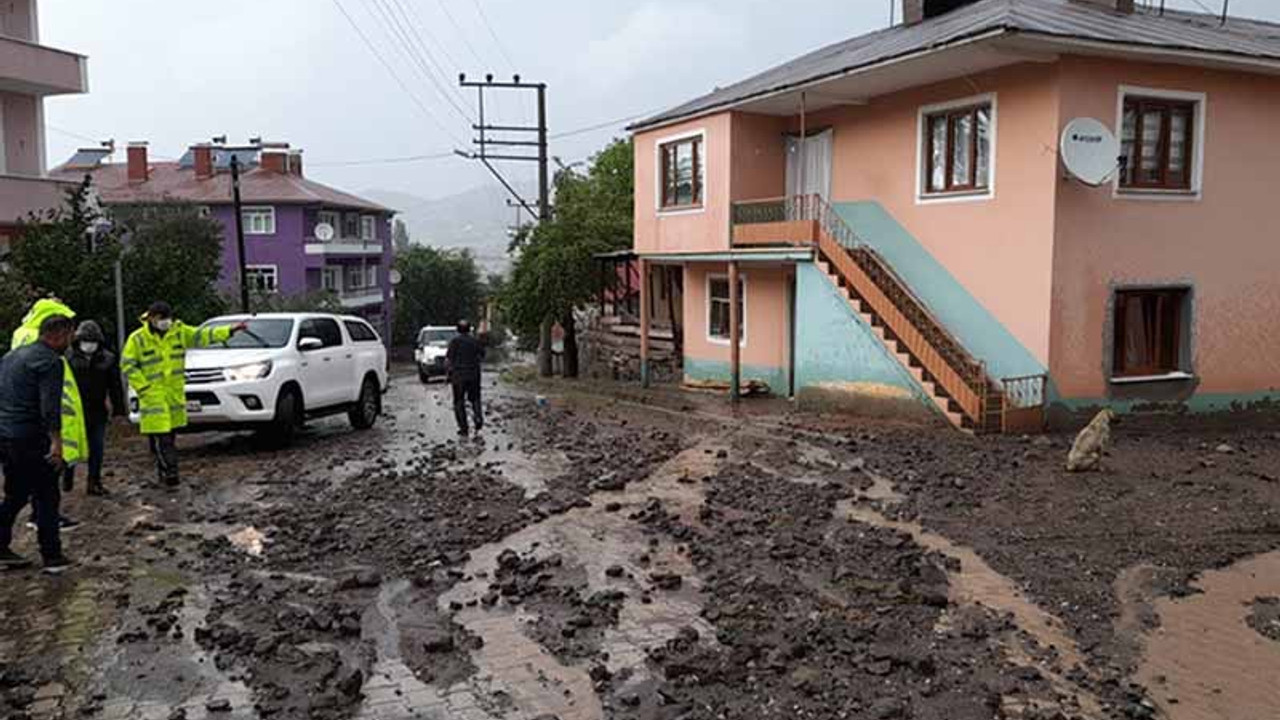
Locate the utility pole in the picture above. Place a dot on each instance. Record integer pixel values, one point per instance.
(235, 200)
(510, 144)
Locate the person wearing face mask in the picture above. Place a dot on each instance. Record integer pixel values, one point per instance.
(101, 395)
(154, 362)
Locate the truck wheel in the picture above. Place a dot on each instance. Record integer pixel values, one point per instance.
(284, 427)
(424, 376)
(368, 407)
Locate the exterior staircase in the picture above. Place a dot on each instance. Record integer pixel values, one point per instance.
(956, 382)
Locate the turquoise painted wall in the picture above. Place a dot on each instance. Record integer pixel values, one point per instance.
(834, 345)
(696, 369)
(972, 324)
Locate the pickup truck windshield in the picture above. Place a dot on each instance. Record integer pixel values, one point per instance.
(436, 337)
(263, 333)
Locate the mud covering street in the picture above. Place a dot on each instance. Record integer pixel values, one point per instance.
(609, 555)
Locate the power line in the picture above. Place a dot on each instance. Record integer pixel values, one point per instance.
(386, 161)
(416, 100)
(501, 49)
(600, 126)
(414, 52)
(458, 29)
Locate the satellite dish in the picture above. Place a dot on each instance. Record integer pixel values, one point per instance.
(1090, 151)
(396, 277)
(324, 232)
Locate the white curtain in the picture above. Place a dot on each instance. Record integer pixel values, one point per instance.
(816, 157)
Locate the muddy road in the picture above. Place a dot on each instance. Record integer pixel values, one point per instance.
(612, 555)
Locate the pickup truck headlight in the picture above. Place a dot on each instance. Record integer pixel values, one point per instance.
(244, 373)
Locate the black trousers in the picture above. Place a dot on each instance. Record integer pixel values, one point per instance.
(466, 391)
(165, 449)
(29, 478)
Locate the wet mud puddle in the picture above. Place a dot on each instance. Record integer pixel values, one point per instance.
(513, 666)
(1205, 661)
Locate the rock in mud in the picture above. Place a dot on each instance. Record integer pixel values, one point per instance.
(666, 581)
(219, 705)
(438, 641)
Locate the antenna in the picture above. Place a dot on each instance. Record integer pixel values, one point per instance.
(1225, 5)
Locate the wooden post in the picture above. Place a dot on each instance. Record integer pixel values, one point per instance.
(735, 334)
(645, 321)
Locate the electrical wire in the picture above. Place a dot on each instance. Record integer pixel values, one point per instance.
(444, 8)
(386, 161)
(488, 26)
(426, 68)
(599, 126)
(399, 81)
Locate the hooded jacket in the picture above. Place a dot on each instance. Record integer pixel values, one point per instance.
(97, 375)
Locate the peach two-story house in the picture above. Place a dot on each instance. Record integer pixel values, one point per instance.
(886, 225)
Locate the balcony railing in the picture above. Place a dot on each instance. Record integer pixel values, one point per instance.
(39, 70)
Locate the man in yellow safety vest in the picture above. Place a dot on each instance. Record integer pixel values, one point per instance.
(154, 362)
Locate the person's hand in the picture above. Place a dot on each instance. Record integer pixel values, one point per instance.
(54, 457)
(106, 405)
(239, 327)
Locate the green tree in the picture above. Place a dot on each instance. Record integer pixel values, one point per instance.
(437, 287)
(173, 254)
(555, 271)
(399, 236)
(70, 252)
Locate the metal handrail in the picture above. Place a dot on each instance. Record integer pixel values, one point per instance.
(1027, 391)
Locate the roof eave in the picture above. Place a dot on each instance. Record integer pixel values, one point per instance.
(980, 36)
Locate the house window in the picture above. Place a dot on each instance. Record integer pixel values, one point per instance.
(957, 148)
(718, 309)
(1150, 338)
(681, 176)
(1157, 140)
(351, 225)
(331, 279)
(332, 219)
(368, 227)
(361, 278)
(259, 220)
(262, 278)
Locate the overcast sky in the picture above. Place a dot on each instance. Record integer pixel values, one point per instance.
(176, 72)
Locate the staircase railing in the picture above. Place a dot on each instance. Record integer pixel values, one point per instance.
(907, 319)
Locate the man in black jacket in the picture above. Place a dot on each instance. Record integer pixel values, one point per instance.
(31, 438)
(101, 394)
(462, 361)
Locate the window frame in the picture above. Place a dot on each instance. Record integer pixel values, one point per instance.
(924, 156)
(337, 226)
(699, 139)
(1195, 156)
(345, 231)
(316, 321)
(725, 340)
(1182, 299)
(249, 211)
(274, 272)
(370, 223)
(363, 326)
(335, 271)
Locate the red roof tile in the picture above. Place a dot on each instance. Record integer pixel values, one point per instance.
(169, 182)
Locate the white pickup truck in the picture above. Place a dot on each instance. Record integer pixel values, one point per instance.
(284, 369)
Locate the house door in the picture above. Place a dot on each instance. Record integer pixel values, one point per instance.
(809, 164)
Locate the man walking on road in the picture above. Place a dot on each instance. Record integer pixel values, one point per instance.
(462, 362)
(154, 361)
(31, 387)
(98, 376)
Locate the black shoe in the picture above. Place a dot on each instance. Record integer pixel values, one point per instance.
(463, 434)
(9, 560)
(57, 565)
(66, 524)
(97, 489)
(172, 481)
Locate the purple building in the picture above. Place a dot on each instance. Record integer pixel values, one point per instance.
(282, 210)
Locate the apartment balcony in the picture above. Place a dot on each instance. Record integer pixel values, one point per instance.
(22, 195)
(360, 297)
(32, 69)
(344, 247)
(785, 221)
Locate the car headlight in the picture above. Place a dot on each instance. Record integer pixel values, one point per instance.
(252, 371)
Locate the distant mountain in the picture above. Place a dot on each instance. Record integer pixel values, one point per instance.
(475, 219)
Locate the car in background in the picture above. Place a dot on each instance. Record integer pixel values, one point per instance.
(433, 343)
(283, 369)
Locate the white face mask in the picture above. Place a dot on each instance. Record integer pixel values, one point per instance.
(164, 324)
(88, 348)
